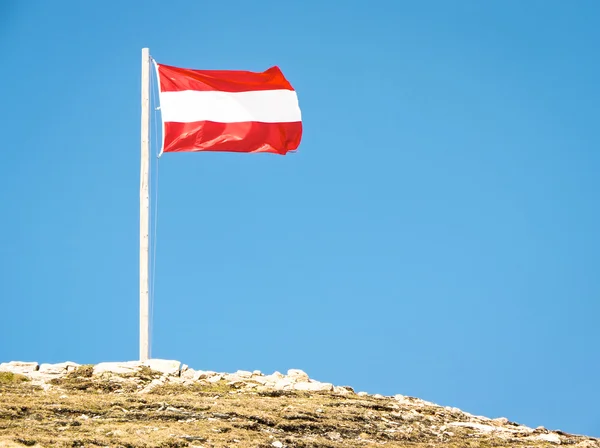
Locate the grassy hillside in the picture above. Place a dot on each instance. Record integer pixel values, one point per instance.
(81, 409)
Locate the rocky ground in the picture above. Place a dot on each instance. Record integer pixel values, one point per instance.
(166, 404)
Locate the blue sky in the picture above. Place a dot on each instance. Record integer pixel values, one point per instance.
(435, 235)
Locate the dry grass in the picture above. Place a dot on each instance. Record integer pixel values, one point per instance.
(12, 378)
(84, 411)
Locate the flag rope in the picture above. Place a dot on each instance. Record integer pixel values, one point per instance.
(155, 214)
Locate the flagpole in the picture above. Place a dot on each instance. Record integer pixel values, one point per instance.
(144, 207)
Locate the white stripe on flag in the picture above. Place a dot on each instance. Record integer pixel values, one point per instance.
(267, 106)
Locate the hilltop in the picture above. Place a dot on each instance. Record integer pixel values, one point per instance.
(161, 403)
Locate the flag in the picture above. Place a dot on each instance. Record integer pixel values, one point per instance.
(225, 110)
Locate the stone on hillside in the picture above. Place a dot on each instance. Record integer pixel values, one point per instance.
(189, 374)
(119, 368)
(260, 379)
(298, 374)
(57, 369)
(215, 378)
(19, 367)
(284, 383)
(243, 374)
(233, 378)
(362, 394)
(313, 386)
(401, 399)
(164, 366)
(204, 374)
(341, 390)
(153, 384)
(552, 438)
(257, 373)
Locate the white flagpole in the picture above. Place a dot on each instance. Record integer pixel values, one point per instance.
(144, 207)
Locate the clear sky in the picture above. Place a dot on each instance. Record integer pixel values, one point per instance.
(435, 235)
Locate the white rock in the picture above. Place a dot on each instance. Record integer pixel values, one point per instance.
(362, 394)
(260, 380)
(336, 436)
(215, 378)
(341, 390)
(284, 383)
(203, 374)
(402, 399)
(19, 367)
(153, 384)
(297, 374)
(257, 373)
(480, 427)
(378, 396)
(57, 369)
(552, 438)
(235, 378)
(165, 366)
(243, 374)
(277, 444)
(188, 374)
(313, 386)
(119, 368)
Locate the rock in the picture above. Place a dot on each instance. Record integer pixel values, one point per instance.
(188, 374)
(298, 374)
(401, 399)
(477, 426)
(257, 373)
(19, 367)
(240, 375)
(260, 380)
(552, 438)
(57, 369)
(277, 444)
(284, 383)
(362, 394)
(215, 378)
(340, 390)
(378, 396)
(119, 368)
(164, 366)
(313, 386)
(335, 436)
(153, 384)
(202, 374)
(501, 420)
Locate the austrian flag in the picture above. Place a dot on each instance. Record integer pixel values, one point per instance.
(223, 110)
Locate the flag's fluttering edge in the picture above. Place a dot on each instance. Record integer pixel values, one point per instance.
(222, 110)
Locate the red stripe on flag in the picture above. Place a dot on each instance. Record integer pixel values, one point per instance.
(235, 137)
(174, 79)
